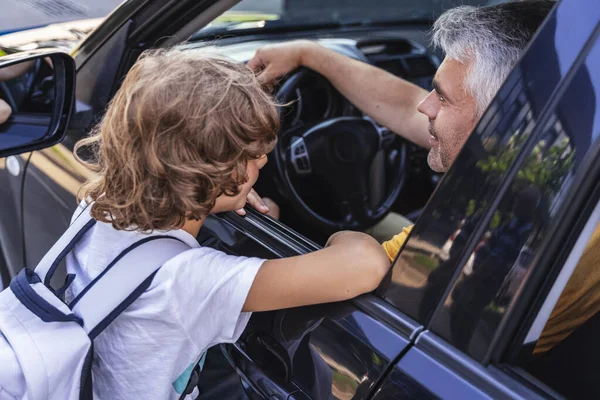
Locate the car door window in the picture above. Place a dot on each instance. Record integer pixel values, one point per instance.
(462, 214)
(527, 214)
(425, 266)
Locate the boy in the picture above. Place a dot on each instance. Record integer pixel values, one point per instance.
(185, 136)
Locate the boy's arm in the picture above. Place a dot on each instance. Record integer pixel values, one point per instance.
(389, 100)
(15, 70)
(351, 264)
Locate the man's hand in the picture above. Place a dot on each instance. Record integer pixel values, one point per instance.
(274, 61)
(388, 99)
(265, 206)
(5, 111)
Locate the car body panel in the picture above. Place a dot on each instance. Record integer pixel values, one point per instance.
(338, 350)
(11, 234)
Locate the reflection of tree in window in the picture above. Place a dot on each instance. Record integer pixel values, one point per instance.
(487, 285)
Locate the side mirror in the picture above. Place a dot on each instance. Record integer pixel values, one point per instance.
(36, 100)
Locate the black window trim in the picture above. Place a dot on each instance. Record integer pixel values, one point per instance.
(574, 238)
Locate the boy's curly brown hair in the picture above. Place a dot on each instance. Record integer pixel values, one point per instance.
(178, 134)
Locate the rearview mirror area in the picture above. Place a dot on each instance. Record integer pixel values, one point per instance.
(36, 100)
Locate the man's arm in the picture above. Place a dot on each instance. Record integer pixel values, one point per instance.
(5, 111)
(389, 100)
(11, 72)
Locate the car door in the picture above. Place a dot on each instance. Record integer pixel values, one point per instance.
(11, 179)
(338, 350)
(533, 162)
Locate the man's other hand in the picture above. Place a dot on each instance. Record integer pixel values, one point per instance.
(5, 111)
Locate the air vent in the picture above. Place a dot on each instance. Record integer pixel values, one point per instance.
(419, 66)
(385, 46)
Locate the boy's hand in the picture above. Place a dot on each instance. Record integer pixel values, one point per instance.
(265, 206)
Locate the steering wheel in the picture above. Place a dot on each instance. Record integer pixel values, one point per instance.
(354, 156)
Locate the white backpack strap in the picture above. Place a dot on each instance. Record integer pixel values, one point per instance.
(50, 262)
(123, 281)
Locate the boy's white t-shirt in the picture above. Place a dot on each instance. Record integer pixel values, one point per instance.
(194, 302)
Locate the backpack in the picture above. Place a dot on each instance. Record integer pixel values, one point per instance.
(46, 345)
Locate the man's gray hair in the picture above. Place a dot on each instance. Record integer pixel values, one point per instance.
(492, 37)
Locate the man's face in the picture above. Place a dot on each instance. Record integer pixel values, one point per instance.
(452, 113)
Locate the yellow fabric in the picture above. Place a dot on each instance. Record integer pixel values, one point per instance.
(393, 246)
(2, 53)
(579, 301)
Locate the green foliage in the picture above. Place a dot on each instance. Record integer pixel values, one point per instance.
(545, 167)
(428, 262)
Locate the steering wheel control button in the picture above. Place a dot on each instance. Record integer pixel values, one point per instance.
(386, 137)
(300, 150)
(300, 159)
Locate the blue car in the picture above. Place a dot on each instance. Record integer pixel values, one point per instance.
(462, 311)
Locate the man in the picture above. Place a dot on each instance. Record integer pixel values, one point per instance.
(481, 45)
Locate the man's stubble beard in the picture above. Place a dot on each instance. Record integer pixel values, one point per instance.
(435, 157)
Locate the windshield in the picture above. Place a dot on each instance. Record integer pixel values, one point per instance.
(261, 14)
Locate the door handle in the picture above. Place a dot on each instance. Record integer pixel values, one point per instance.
(255, 379)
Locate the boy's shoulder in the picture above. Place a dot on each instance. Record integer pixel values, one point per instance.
(104, 243)
(106, 232)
